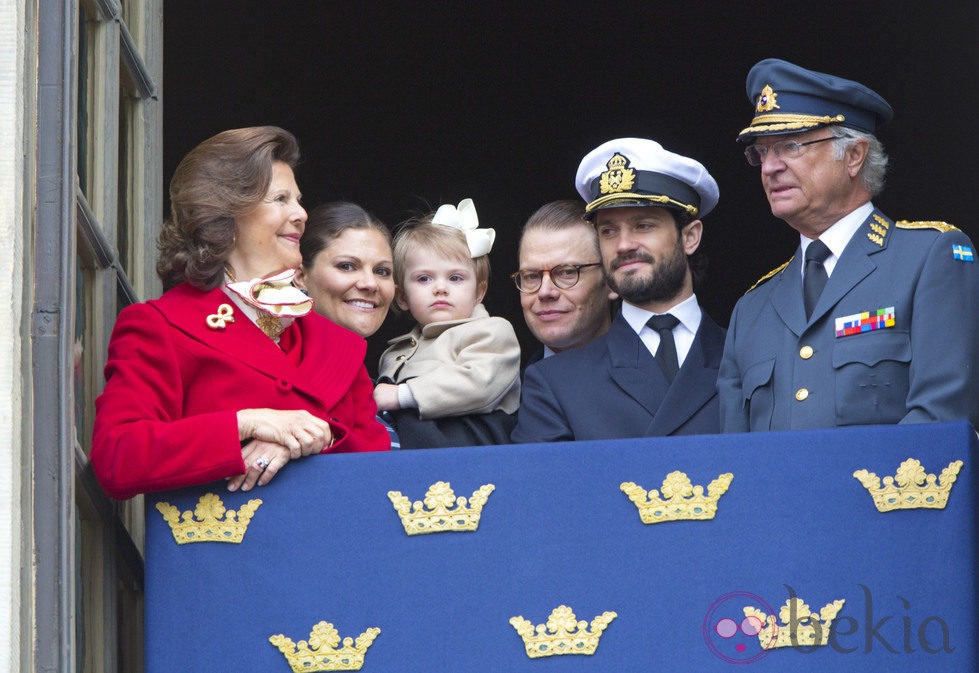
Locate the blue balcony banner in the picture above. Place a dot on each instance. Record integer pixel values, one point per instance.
(326, 544)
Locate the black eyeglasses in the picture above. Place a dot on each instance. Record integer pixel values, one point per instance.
(563, 276)
(790, 149)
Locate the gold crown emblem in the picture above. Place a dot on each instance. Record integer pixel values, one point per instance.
(911, 487)
(436, 513)
(562, 633)
(208, 523)
(619, 177)
(683, 501)
(617, 162)
(321, 653)
(766, 100)
(799, 627)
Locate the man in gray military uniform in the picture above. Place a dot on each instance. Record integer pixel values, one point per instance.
(873, 320)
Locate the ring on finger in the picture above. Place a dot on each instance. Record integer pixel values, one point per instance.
(262, 462)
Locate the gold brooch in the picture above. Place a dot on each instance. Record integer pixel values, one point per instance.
(766, 100)
(269, 324)
(220, 319)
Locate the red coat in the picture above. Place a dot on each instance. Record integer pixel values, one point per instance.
(167, 417)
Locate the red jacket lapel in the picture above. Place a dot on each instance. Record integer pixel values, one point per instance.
(331, 355)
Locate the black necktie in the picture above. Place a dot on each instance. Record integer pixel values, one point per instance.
(666, 353)
(814, 277)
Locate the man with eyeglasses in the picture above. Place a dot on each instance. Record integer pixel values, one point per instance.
(873, 320)
(563, 294)
(654, 372)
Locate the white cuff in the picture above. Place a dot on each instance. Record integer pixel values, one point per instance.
(405, 399)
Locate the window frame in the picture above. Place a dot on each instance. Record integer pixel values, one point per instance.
(88, 575)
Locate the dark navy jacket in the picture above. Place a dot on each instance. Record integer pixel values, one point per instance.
(612, 388)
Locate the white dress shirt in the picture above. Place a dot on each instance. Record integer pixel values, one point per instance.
(837, 236)
(687, 312)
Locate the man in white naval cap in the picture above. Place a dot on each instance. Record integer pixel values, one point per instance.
(655, 371)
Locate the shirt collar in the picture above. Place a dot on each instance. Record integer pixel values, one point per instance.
(840, 233)
(687, 312)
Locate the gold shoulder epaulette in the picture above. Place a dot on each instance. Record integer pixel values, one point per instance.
(940, 226)
(769, 275)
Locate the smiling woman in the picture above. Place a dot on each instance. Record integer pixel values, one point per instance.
(268, 236)
(347, 266)
(229, 375)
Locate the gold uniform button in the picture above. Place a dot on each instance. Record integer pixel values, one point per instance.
(412, 344)
(805, 352)
(801, 394)
(401, 357)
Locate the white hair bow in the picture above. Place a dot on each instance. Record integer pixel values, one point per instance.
(463, 218)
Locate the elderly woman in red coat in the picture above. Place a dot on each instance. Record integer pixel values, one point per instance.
(230, 374)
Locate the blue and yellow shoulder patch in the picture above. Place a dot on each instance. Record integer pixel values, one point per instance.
(963, 253)
(940, 226)
(769, 275)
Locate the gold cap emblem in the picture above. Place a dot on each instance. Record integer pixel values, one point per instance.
(766, 100)
(619, 177)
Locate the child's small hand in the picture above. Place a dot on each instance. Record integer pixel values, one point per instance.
(386, 397)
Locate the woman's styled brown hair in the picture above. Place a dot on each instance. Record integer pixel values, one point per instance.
(328, 221)
(222, 178)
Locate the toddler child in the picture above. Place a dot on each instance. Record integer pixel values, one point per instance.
(454, 380)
